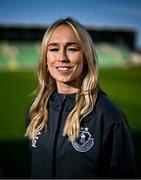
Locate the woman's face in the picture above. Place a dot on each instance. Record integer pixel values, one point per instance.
(64, 57)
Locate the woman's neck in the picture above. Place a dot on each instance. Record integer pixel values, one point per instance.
(64, 88)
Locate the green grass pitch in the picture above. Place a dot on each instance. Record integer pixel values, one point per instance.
(123, 86)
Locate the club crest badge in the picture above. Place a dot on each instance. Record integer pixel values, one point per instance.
(84, 142)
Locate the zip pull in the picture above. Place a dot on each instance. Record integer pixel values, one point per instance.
(64, 97)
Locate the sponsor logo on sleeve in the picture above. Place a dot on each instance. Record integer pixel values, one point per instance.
(34, 141)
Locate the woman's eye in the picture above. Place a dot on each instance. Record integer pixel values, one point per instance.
(53, 49)
(73, 49)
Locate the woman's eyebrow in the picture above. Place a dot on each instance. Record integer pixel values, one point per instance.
(53, 44)
(67, 43)
(72, 43)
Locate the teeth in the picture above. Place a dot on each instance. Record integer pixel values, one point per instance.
(63, 68)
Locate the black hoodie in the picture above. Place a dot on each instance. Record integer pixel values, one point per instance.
(104, 148)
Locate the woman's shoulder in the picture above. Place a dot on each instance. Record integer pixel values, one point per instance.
(105, 104)
(108, 109)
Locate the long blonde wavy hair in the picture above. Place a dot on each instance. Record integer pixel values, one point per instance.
(88, 93)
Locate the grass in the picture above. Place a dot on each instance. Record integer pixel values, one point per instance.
(121, 85)
(124, 87)
(16, 88)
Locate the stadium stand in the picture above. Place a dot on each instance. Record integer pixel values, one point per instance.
(20, 46)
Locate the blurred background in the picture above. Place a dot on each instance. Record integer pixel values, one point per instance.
(115, 27)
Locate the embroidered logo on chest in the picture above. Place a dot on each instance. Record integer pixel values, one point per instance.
(84, 142)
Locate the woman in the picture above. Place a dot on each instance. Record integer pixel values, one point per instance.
(75, 130)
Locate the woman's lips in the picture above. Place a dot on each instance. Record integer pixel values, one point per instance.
(64, 69)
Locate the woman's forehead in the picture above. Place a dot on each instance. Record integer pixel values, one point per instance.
(62, 33)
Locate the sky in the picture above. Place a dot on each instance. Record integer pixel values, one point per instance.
(94, 13)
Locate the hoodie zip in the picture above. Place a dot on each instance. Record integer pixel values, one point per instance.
(56, 136)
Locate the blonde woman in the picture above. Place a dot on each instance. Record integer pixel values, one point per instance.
(74, 129)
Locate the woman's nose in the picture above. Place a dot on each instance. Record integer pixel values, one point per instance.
(63, 56)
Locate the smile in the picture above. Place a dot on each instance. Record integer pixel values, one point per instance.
(64, 69)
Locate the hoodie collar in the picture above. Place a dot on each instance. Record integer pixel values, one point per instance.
(57, 99)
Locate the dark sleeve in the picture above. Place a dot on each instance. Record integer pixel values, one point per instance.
(27, 119)
(28, 152)
(119, 157)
